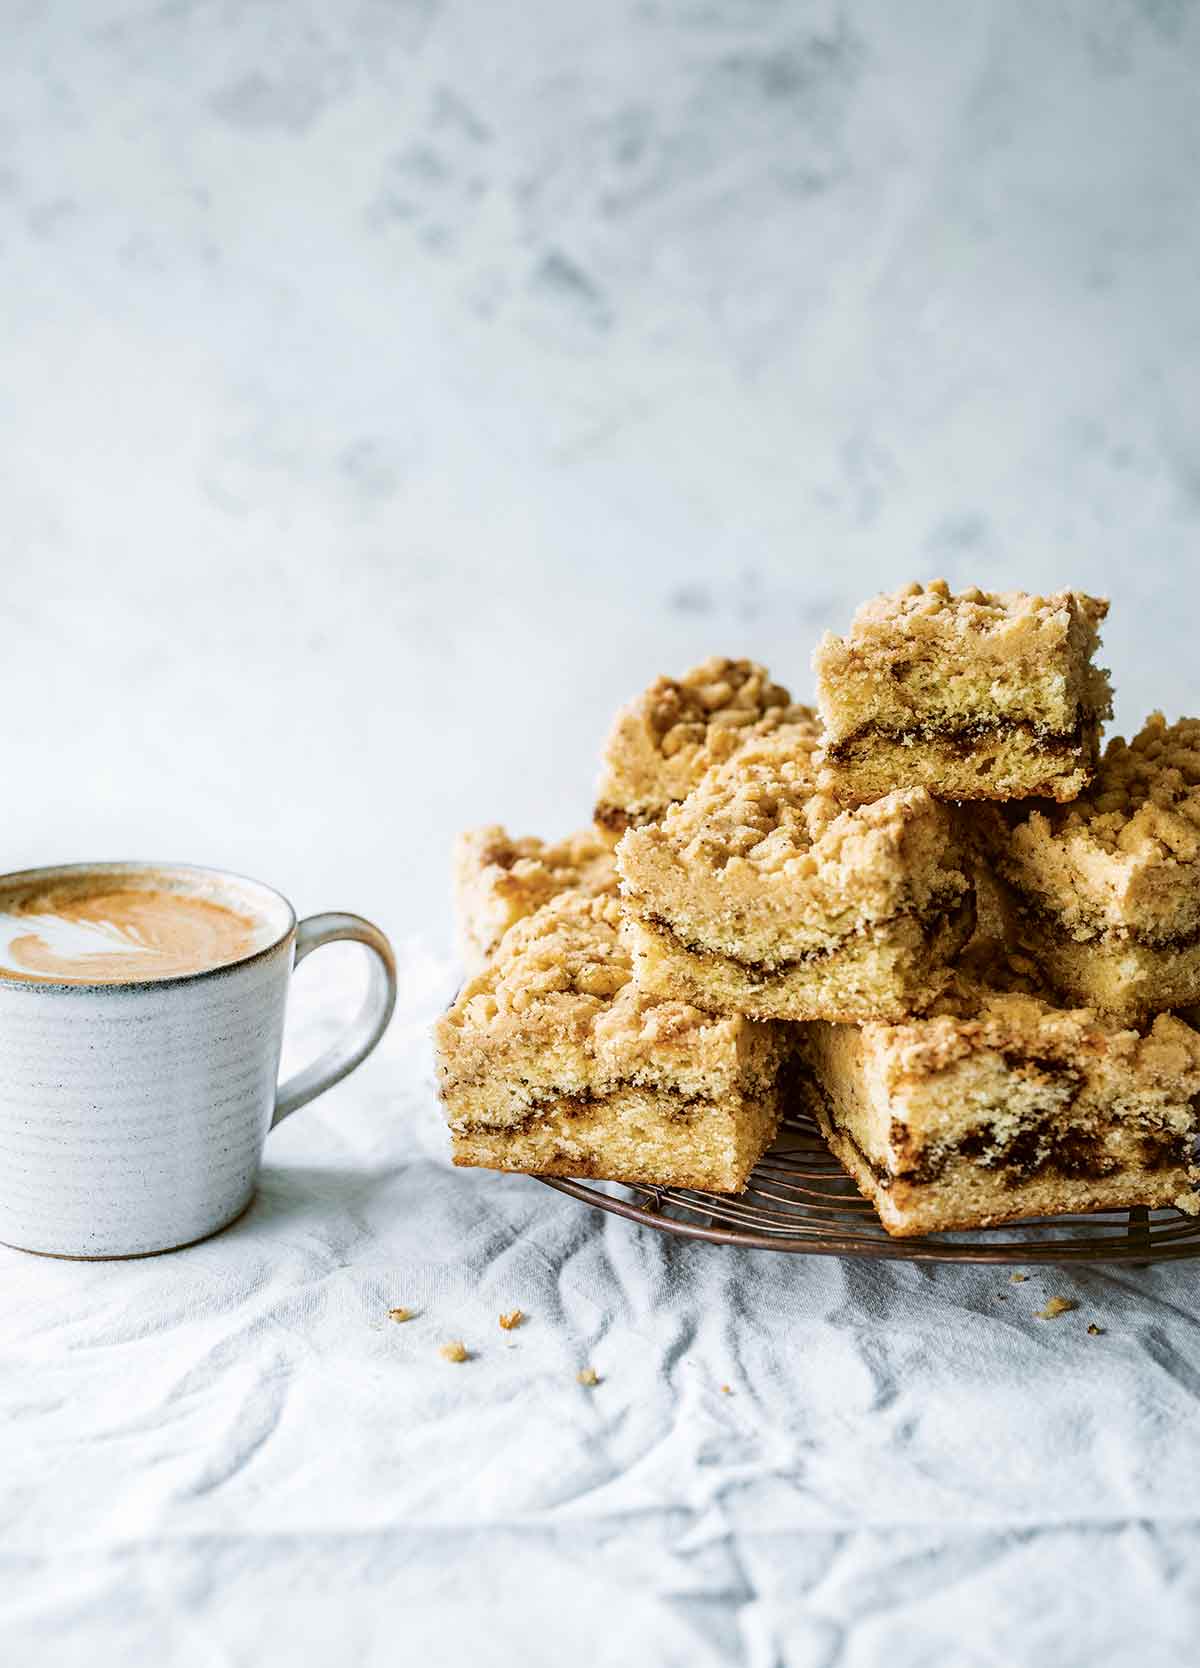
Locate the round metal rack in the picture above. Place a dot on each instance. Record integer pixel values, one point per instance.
(799, 1199)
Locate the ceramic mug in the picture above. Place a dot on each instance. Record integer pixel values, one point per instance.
(133, 1115)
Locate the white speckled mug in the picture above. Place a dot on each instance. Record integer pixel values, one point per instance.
(133, 1115)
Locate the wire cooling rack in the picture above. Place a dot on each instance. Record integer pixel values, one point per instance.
(800, 1199)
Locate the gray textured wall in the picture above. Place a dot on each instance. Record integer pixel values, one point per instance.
(388, 389)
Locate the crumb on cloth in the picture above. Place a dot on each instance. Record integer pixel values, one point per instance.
(510, 1321)
(588, 1376)
(454, 1350)
(401, 1314)
(1055, 1306)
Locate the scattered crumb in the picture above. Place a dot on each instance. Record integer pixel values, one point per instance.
(510, 1321)
(400, 1314)
(455, 1350)
(1096, 1331)
(588, 1376)
(1055, 1306)
(1017, 1278)
(726, 1391)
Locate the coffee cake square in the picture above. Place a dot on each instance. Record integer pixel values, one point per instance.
(977, 695)
(664, 741)
(760, 895)
(1000, 1104)
(1107, 889)
(499, 880)
(552, 1061)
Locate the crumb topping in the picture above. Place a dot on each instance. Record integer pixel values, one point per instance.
(976, 612)
(569, 962)
(569, 949)
(662, 743)
(1146, 796)
(499, 880)
(534, 866)
(765, 808)
(719, 693)
(1009, 1013)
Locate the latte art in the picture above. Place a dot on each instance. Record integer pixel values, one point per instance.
(113, 934)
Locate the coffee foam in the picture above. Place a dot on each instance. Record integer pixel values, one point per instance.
(125, 927)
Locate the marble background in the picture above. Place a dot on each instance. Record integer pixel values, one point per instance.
(388, 390)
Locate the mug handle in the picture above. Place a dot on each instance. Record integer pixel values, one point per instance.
(369, 1025)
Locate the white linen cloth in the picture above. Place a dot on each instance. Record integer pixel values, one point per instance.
(231, 1455)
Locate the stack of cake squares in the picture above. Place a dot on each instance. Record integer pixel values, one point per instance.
(933, 915)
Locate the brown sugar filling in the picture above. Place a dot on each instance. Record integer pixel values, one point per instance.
(1037, 915)
(672, 1108)
(963, 735)
(1038, 1149)
(961, 912)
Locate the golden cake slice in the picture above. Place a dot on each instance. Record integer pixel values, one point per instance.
(978, 695)
(663, 742)
(759, 895)
(499, 880)
(1107, 890)
(1000, 1104)
(552, 1061)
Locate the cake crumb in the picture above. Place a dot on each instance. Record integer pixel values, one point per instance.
(455, 1350)
(1055, 1306)
(510, 1321)
(726, 1391)
(401, 1314)
(1094, 1330)
(588, 1376)
(1017, 1278)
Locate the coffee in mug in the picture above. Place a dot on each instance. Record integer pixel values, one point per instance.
(97, 928)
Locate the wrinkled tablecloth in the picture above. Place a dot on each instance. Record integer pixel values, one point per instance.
(231, 1455)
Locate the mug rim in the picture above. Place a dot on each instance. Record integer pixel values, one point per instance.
(49, 871)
